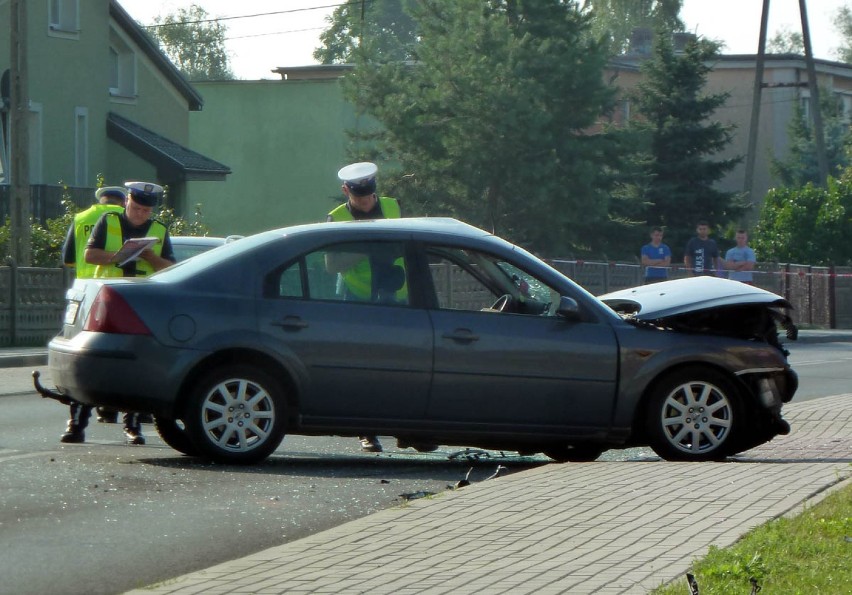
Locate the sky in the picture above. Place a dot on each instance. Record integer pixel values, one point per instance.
(274, 33)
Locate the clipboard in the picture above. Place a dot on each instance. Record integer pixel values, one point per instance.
(132, 248)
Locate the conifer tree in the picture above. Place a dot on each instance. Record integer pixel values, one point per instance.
(496, 120)
(684, 141)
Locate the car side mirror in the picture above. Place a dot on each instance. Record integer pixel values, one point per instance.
(568, 308)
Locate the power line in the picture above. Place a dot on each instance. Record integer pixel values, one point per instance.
(251, 16)
(274, 33)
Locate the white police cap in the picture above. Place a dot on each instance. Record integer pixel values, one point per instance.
(116, 191)
(360, 177)
(144, 193)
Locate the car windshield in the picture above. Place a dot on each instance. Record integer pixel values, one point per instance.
(183, 251)
(208, 258)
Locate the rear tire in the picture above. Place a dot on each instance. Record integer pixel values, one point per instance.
(236, 415)
(695, 414)
(173, 433)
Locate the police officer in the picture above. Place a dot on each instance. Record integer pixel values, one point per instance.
(107, 238)
(113, 229)
(110, 199)
(362, 202)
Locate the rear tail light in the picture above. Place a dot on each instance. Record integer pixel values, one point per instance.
(110, 313)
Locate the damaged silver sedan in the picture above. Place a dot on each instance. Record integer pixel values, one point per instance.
(429, 330)
(694, 411)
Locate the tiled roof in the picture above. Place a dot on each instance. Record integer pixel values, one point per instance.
(174, 160)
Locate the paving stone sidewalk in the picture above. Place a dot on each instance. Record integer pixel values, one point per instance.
(602, 527)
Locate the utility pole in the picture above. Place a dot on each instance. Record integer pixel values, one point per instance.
(754, 126)
(819, 132)
(20, 115)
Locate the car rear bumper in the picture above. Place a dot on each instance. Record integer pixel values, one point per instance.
(134, 376)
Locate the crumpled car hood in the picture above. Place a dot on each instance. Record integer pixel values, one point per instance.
(673, 298)
(707, 305)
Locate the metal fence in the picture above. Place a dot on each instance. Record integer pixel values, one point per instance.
(46, 200)
(32, 300)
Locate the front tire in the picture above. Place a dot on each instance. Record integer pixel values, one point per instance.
(578, 453)
(695, 414)
(236, 415)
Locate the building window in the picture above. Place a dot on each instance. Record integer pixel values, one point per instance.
(844, 107)
(81, 147)
(122, 68)
(805, 103)
(4, 145)
(113, 71)
(35, 145)
(64, 17)
(36, 148)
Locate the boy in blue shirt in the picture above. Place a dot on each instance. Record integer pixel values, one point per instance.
(740, 259)
(656, 257)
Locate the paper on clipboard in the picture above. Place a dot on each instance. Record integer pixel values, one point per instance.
(133, 248)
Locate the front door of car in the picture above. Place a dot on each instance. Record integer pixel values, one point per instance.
(522, 366)
(360, 351)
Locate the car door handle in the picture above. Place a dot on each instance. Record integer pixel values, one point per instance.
(291, 323)
(461, 335)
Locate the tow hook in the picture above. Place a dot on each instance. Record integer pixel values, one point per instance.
(50, 394)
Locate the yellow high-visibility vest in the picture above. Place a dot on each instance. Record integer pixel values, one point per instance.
(114, 241)
(359, 280)
(84, 223)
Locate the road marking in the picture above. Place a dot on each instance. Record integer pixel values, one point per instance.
(818, 362)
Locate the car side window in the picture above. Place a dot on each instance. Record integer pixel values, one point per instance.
(305, 278)
(456, 286)
(371, 272)
(470, 280)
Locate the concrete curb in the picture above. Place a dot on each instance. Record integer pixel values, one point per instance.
(20, 360)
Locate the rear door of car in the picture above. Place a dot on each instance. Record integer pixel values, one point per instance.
(525, 367)
(364, 358)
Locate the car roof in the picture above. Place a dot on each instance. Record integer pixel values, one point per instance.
(197, 240)
(443, 225)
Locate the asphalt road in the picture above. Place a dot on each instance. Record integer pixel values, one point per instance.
(103, 517)
(824, 368)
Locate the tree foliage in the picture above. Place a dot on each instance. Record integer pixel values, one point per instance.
(843, 22)
(616, 19)
(47, 240)
(807, 225)
(786, 41)
(194, 43)
(379, 27)
(387, 25)
(491, 123)
(684, 141)
(800, 165)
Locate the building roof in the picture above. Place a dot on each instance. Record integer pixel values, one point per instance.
(174, 162)
(312, 71)
(152, 50)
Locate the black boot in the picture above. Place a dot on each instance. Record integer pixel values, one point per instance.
(74, 432)
(107, 416)
(133, 429)
(370, 444)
